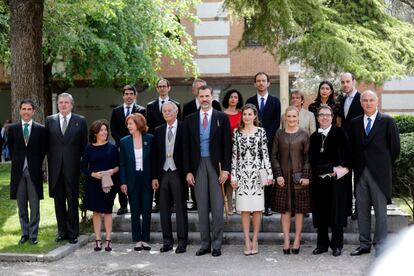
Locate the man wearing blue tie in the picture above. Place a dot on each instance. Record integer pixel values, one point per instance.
(375, 144)
(269, 116)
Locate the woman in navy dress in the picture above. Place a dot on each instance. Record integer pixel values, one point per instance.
(100, 158)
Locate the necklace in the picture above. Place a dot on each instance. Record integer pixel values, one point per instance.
(323, 142)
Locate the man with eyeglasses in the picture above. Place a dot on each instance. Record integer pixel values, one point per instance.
(119, 129)
(155, 118)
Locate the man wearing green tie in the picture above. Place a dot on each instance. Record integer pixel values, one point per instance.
(27, 144)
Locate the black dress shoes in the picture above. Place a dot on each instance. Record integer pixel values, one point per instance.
(216, 252)
(155, 209)
(202, 251)
(122, 211)
(73, 240)
(267, 212)
(61, 238)
(34, 241)
(180, 249)
(360, 251)
(23, 239)
(166, 248)
(354, 215)
(145, 246)
(319, 250)
(336, 252)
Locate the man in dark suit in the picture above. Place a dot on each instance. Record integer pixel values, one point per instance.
(269, 116)
(27, 143)
(67, 137)
(119, 129)
(207, 157)
(155, 118)
(189, 108)
(168, 177)
(375, 145)
(350, 107)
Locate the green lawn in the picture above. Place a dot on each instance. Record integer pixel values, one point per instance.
(9, 221)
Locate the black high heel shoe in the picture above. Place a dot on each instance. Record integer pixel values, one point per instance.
(108, 246)
(98, 245)
(286, 251)
(296, 250)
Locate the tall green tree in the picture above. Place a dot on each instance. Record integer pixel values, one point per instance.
(108, 42)
(331, 35)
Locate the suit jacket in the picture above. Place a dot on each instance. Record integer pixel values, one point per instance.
(127, 161)
(220, 142)
(65, 151)
(376, 152)
(271, 116)
(154, 115)
(118, 126)
(34, 151)
(191, 107)
(355, 109)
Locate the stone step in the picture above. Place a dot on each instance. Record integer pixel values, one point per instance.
(396, 221)
(230, 238)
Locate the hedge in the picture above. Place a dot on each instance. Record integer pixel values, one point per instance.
(405, 123)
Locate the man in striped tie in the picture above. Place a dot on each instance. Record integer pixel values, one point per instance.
(27, 144)
(375, 144)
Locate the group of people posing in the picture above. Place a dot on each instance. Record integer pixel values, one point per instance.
(306, 166)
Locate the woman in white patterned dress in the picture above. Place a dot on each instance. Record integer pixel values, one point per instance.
(250, 154)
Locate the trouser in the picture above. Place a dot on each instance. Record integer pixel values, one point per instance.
(66, 208)
(140, 201)
(208, 190)
(26, 192)
(369, 194)
(337, 239)
(172, 192)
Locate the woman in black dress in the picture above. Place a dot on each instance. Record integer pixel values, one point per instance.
(329, 156)
(326, 96)
(100, 158)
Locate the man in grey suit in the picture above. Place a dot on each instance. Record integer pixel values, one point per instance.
(375, 144)
(27, 144)
(207, 157)
(67, 137)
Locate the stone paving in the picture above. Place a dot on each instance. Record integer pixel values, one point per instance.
(123, 260)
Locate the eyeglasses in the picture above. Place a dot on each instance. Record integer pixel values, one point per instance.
(324, 115)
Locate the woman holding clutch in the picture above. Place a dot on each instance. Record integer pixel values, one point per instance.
(100, 160)
(329, 156)
(135, 177)
(250, 171)
(291, 195)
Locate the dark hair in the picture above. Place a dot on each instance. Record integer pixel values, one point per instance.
(26, 101)
(139, 121)
(162, 79)
(195, 81)
(226, 99)
(256, 121)
(205, 87)
(324, 106)
(331, 98)
(261, 73)
(129, 87)
(95, 128)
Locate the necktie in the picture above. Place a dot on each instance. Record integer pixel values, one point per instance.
(162, 102)
(261, 108)
(368, 128)
(205, 120)
(26, 132)
(128, 111)
(64, 125)
(170, 133)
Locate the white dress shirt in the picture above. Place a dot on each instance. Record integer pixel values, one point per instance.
(160, 100)
(259, 98)
(348, 101)
(373, 117)
(138, 159)
(131, 107)
(67, 119)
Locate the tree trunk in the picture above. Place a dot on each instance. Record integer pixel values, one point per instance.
(26, 55)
